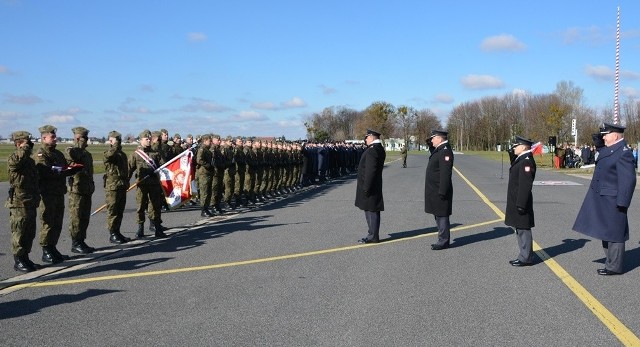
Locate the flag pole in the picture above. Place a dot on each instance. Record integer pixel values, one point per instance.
(616, 103)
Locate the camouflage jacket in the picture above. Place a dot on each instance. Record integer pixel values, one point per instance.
(116, 167)
(219, 159)
(204, 161)
(23, 179)
(240, 158)
(82, 181)
(142, 169)
(230, 159)
(49, 162)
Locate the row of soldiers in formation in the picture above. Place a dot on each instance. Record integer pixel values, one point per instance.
(233, 171)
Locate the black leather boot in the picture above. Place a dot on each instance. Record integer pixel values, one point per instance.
(140, 232)
(23, 264)
(160, 230)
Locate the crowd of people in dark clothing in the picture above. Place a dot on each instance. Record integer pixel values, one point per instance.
(322, 161)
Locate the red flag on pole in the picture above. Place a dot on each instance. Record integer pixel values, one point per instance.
(536, 149)
(175, 178)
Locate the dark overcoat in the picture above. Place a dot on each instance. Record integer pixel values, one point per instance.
(369, 187)
(438, 189)
(522, 173)
(612, 185)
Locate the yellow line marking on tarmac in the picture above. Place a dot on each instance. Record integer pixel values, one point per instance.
(237, 263)
(626, 336)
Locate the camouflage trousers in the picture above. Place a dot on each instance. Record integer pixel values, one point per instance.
(240, 186)
(23, 229)
(229, 186)
(116, 201)
(250, 183)
(79, 215)
(149, 195)
(205, 182)
(51, 213)
(217, 188)
(266, 180)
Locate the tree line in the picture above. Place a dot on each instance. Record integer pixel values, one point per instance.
(481, 124)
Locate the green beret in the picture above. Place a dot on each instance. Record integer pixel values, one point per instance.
(20, 135)
(164, 131)
(205, 137)
(115, 134)
(156, 133)
(47, 129)
(177, 136)
(215, 136)
(145, 133)
(80, 131)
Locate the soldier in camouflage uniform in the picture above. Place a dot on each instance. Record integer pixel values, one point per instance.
(267, 176)
(53, 171)
(259, 157)
(81, 188)
(240, 156)
(143, 162)
(176, 148)
(116, 183)
(24, 197)
(166, 152)
(204, 174)
(251, 160)
(230, 172)
(220, 163)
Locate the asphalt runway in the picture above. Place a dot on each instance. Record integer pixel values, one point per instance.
(290, 273)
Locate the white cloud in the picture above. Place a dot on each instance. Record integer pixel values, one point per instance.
(519, 92)
(600, 72)
(204, 105)
(294, 102)
(264, 105)
(247, 116)
(22, 99)
(147, 88)
(443, 98)
(502, 42)
(630, 75)
(630, 92)
(481, 82)
(4, 69)
(289, 123)
(327, 90)
(196, 37)
(60, 118)
(592, 34)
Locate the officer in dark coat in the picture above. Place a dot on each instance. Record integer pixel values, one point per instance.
(603, 214)
(369, 188)
(438, 189)
(519, 213)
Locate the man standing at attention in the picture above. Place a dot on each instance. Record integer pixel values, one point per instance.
(116, 183)
(519, 214)
(403, 153)
(603, 214)
(369, 187)
(81, 188)
(438, 189)
(24, 197)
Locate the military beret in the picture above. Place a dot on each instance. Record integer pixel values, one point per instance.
(522, 141)
(205, 137)
(47, 129)
(145, 133)
(80, 131)
(177, 136)
(115, 134)
(164, 131)
(240, 138)
(436, 132)
(189, 136)
(20, 135)
(229, 138)
(156, 133)
(611, 128)
(215, 136)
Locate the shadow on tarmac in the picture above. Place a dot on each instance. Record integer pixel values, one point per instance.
(19, 308)
(416, 232)
(497, 232)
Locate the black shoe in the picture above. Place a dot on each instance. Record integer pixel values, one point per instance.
(140, 232)
(219, 209)
(605, 272)
(32, 264)
(81, 248)
(160, 235)
(50, 257)
(118, 238)
(58, 254)
(206, 213)
(23, 264)
(368, 240)
(519, 263)
(437, 247)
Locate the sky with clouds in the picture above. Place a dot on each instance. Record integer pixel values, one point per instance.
(262, 67)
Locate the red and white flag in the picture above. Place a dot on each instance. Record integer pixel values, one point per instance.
(537, 148)
(175, 178)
